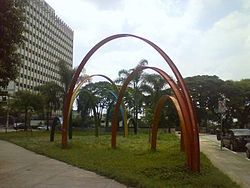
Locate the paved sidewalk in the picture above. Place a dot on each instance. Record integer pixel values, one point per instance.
(232, 164)
(20, 168)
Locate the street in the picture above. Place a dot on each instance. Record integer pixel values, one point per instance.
(234, 164)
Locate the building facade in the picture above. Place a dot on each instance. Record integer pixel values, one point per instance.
(49, 40)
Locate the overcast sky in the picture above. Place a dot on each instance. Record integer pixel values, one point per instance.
(209, 37)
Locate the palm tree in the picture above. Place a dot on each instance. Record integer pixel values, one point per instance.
(136, 95)
(66, 73)
(153, 85)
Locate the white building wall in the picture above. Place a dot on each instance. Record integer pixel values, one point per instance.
(49, 40)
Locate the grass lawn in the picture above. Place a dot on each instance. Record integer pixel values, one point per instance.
(132, 163)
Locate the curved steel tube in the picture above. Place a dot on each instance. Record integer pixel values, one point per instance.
(156, 119)
(182, 89)
(123, 113)
(76, 92)
(191, 145)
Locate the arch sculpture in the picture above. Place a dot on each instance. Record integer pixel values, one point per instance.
(156, 118)
(192, 148)
(76, 92)
(123, 113)
(180, 91)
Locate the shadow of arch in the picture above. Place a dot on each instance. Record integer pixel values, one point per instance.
(53, 128)
(192, 148)
(186, 100)
(156, 118)
(76, 92)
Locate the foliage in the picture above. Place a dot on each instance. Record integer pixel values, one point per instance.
(66, 73)
(12, 18)
(27, 102)
(154, 86)
(238, 101)
(53, 95)
(95, 97)
(136, 95)
(133, 163)
(206, 91)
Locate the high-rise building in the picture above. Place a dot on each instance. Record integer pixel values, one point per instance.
(49, 40)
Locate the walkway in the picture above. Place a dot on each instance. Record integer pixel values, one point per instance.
(20, 168)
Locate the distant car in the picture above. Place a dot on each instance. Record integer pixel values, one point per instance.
(248, 150)
(236, 139)
(19, 126)
(43, 127)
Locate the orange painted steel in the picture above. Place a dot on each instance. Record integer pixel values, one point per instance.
(156, 117)
(77, 89)
(190, 144)
(182, 88)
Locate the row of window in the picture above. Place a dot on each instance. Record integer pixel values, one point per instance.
(51, 39)
(25, 85)
(69, 43)
(48, 20)
(38, 80)
(42, 57)
(68, 57)
(40, 72)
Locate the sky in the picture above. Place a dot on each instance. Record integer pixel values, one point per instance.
(202, 37)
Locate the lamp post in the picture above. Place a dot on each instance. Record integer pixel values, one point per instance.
(7, 116)
(222, 109)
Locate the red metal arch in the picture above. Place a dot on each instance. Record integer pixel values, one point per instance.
(156, 118)
(76, 91)
(192, 149)
(182, 89)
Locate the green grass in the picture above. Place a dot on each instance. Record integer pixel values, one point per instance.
(131, 163)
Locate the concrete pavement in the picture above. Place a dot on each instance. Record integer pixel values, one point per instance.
(20, 168)
(231, 163)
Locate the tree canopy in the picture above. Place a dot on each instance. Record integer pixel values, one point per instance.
(12, 18)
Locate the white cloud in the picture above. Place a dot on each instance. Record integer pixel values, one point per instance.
(202, 37)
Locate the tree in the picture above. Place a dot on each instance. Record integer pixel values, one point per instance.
(12, 18)
(154, 86)
(66, 73)
(27, 102)
(238, 101)
(205, 92)
(53, 94)
(135, 83)
(95, 97)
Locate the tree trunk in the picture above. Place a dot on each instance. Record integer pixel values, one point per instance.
(25, 119)
(48, 116)
(136, 121)
(96, 122)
